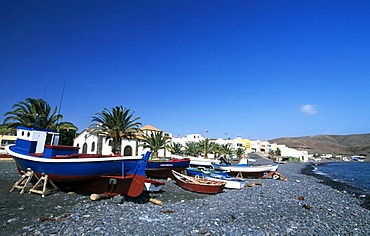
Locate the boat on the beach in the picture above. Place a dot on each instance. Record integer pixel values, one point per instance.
(38, 150)
(201, 171)
(198, 185)
(247, 170)
(202, 162)
(162, 168)
(230, 182)
(153, 185)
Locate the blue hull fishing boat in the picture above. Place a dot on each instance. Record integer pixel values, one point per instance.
(38, 150)
(201, 171)
(162, 169)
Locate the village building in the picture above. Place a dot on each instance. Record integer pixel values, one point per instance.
(92, 144)
(6, 140)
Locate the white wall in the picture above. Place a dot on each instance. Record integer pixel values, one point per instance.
(84, 137)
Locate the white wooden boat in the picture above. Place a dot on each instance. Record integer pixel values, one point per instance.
(205, 162)
(247, 170)
(230, 182)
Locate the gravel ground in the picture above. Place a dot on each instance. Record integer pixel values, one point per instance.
(303, 205)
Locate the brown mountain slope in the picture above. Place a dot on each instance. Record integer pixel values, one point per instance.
(354, 144)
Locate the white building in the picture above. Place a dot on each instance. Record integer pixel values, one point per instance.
(188, 139)
(92, 144)
(291, 152)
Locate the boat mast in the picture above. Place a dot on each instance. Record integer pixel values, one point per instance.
(61, 99)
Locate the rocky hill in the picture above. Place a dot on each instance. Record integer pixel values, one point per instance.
(355, 144)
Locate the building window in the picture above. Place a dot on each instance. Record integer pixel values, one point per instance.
(110, 142)
(5, 142)
(93, 147)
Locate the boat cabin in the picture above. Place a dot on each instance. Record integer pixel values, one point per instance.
(42, 143)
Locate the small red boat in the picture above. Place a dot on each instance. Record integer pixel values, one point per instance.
(198, 185)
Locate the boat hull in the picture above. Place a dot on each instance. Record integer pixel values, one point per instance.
(230, 182)
(202, 162)
(247, 171)
(194, 171)
(199, 185)
(163, 169)
(200, 189)
(115, 175)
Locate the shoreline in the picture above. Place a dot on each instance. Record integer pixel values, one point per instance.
(340, 186)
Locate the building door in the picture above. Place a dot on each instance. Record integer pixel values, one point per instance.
(127, 151)
(84, 148)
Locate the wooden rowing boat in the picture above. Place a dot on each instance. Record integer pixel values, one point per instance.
(198, 184)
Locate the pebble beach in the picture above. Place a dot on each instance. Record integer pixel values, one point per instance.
(302, 205)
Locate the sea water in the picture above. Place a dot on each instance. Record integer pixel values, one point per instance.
(356, 174)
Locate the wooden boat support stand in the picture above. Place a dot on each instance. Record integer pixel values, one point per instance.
(42, 183)
(279, 176)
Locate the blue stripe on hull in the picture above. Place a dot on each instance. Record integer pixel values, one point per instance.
(68, 171)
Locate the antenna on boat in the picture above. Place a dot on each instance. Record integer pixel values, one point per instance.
(46, 84)
(61, 98)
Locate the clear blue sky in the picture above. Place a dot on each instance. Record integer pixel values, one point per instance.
(256, 69)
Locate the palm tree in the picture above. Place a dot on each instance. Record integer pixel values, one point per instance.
(239, 153)
(205, 146)
(37, 113)
(175, 148)
(5, 130)
(215, 148)
(192, 149)
(226, 149)
(155, 141)
(116, 124)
